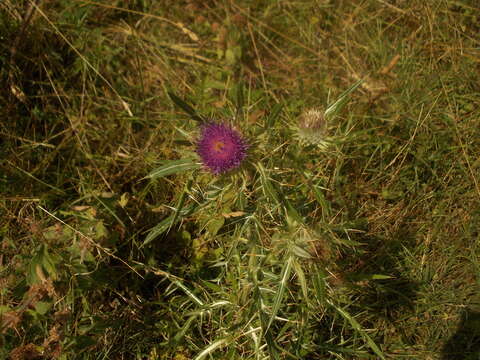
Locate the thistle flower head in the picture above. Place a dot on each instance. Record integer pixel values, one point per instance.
(312, 126)
(221, 148)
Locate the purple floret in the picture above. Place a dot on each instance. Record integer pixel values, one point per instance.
(221, 148)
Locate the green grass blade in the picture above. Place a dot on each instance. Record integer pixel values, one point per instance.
(185, 107)
(36, 179)
(109, 210)
(240, 101)
(356, 326)
(273, 116)
(276, 196)
(293, 216)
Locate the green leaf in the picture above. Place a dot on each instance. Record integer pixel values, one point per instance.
(42, 307)
(83, 342)
(391, 194)
(40, 261)
(181, 333)
(293, 216)
(276, 196)
(100, 230)
(110, 209)
(187, 291)
(181, 202)
(215, 84)
(268, 188)
(334, 108)
(180, 212)
(158, 229)
(284, 276)
(301, 278)
(174, 167)
(214, 225)
(324, 205)
(212, 347)
(185, 107)
(381, 277)
(319, 285)
(301, 252)
(47, 262)
(230, 56)
(368, 277)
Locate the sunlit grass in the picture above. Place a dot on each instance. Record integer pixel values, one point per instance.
(117, 243)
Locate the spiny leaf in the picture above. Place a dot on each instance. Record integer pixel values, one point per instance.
(188, 292)
(301, 278)
(180, 203)
(268, 188)
(158, 230)
(334, 108)
(167, 223)
(174, 167)
(284, 276)
(319, 284)
(211, 348)
(181, 333)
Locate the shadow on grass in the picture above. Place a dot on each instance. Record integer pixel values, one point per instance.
(379, 282)
(390, 299)
(465, 343)
(381, 295)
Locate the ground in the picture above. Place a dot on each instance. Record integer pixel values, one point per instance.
(353, 237)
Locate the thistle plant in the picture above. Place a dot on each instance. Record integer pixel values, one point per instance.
(257, 271)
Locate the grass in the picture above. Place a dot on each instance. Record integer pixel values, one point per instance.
(115, 244)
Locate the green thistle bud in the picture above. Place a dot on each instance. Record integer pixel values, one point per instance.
(312, 127)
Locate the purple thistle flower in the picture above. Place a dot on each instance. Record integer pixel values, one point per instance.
(221, 148)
